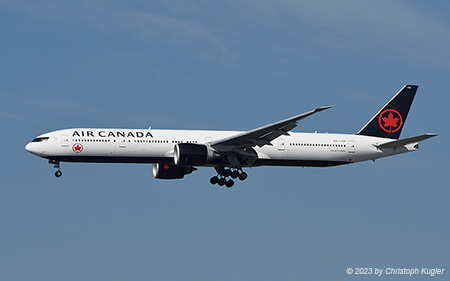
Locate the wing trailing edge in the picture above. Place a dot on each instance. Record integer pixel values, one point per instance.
(263, 135)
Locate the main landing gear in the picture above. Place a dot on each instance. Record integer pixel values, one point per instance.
(223, 174)
(55, 163)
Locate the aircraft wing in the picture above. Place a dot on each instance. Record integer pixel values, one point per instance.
(263, 135)
(406, 141)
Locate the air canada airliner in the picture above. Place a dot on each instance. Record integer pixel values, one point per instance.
(176, 153)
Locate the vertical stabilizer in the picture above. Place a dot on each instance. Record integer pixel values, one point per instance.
(389, 121)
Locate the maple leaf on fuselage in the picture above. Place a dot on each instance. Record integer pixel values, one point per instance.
(390, 120)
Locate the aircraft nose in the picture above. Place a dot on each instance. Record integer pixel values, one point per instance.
(28, 147)
(32, 148)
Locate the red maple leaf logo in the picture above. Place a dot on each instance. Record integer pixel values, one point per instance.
(392, 122)
(77, 148)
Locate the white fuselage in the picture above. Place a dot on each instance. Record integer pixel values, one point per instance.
(157, 146)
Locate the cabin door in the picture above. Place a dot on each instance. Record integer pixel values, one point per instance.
(281, 145)
(122, 142)
(65, 141)
(351, 146)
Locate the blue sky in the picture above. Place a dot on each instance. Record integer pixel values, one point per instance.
(232, 65)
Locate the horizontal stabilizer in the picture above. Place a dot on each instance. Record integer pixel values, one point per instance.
(406, 141)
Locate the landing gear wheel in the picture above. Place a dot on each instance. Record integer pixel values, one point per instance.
(214, 180)
(222, 181)
(226, 173)
(229, 183)
(243, 176)
(235, 174)
(55, 163)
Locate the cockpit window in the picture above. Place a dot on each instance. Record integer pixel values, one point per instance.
(40, 139)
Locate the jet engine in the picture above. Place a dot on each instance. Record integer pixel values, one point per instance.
(191, 154)
(169, 171)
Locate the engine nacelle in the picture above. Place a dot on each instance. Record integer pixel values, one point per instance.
(191, 154)
(168, 171)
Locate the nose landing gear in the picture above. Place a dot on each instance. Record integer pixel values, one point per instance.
(58, 173)
(223, 174)
(55, 163)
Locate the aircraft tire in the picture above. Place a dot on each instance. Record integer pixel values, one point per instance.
(222, 181)
(226, 173)
(214, 180)
(243, 176)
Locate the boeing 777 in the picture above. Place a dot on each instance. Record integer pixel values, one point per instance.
(175, 153)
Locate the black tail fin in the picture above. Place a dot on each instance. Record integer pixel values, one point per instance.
(389, 121)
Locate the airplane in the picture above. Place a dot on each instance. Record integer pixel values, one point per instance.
(176, 153)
